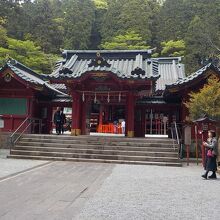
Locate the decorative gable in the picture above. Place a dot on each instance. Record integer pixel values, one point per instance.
(99, 61)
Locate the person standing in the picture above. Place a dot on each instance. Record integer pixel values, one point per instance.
(115, 123)
(57, 121)
(211, 155)
(63, 120)
(123, 126)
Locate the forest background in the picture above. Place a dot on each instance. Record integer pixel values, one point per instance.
(35, 31)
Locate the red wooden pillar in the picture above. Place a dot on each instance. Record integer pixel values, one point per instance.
(203, 151)
(30, 107)
(83, 121)
(101, 115)
(106, 113)
(130, 114)
(76, 114)
(184, 111)
(49, 119)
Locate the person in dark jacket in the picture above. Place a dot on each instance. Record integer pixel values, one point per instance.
(57, 121)
(211, 155)
(63, 120)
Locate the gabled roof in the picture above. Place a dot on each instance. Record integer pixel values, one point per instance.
(193, 76)
(61, 87)
(170, 70)
(126, 64)
(29, 75)
(25, 73)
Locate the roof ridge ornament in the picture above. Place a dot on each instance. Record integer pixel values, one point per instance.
(138, 71)
(65, 71)
(11, 61)
(213, 59)
(99, 61)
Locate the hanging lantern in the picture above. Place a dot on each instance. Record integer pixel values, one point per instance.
(108, 99)
(83, 97)
(119, 97)
(95, 99)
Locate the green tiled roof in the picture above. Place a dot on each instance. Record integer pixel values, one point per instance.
(125, 64)
(185, 80)
(29, 75)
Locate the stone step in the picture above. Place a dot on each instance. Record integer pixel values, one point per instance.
(155, 148)
(98, 151)
(96, 138)
(148, 151)
(96, 160)
(139, 144)
(95, 156)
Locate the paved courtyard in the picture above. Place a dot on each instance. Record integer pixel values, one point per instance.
(89, 191)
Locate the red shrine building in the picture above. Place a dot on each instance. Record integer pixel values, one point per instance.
(102, 89)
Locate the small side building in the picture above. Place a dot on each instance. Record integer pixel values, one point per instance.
(25, 94)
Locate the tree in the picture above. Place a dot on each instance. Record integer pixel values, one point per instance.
(174, 18)
(130, 40)
(3, 34)
(197, 47)
(194, 21)
(129, 15)
(173, 48)
(101, 7)
(206, 101)
(92, 24)
(78, 21)
(45, 28)
(29, 54)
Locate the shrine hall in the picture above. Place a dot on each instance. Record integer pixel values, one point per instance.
(101, 90)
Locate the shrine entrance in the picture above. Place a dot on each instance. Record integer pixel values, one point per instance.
(106, 118)
(104, 98)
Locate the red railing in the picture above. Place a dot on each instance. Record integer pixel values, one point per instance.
(109, 128)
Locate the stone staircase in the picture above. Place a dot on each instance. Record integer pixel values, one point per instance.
(4, 139)
(145, 151)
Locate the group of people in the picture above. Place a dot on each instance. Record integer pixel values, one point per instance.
(59, 120)
(116, 126)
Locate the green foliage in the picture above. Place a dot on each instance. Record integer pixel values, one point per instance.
(155, 55)
(129, 15)
(174, 18)
(78, 20)
(129, 40)
(29, 54)
(197, 22)
(173, 48)
(197, 44)
(101, 4)
(3, 36)
(175, 27)
(44, 28)
(206, 101)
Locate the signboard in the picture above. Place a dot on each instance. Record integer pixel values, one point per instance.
(1, 123)
(187, 135)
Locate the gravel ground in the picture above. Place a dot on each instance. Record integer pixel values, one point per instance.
(154, 193)
(85, 191)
